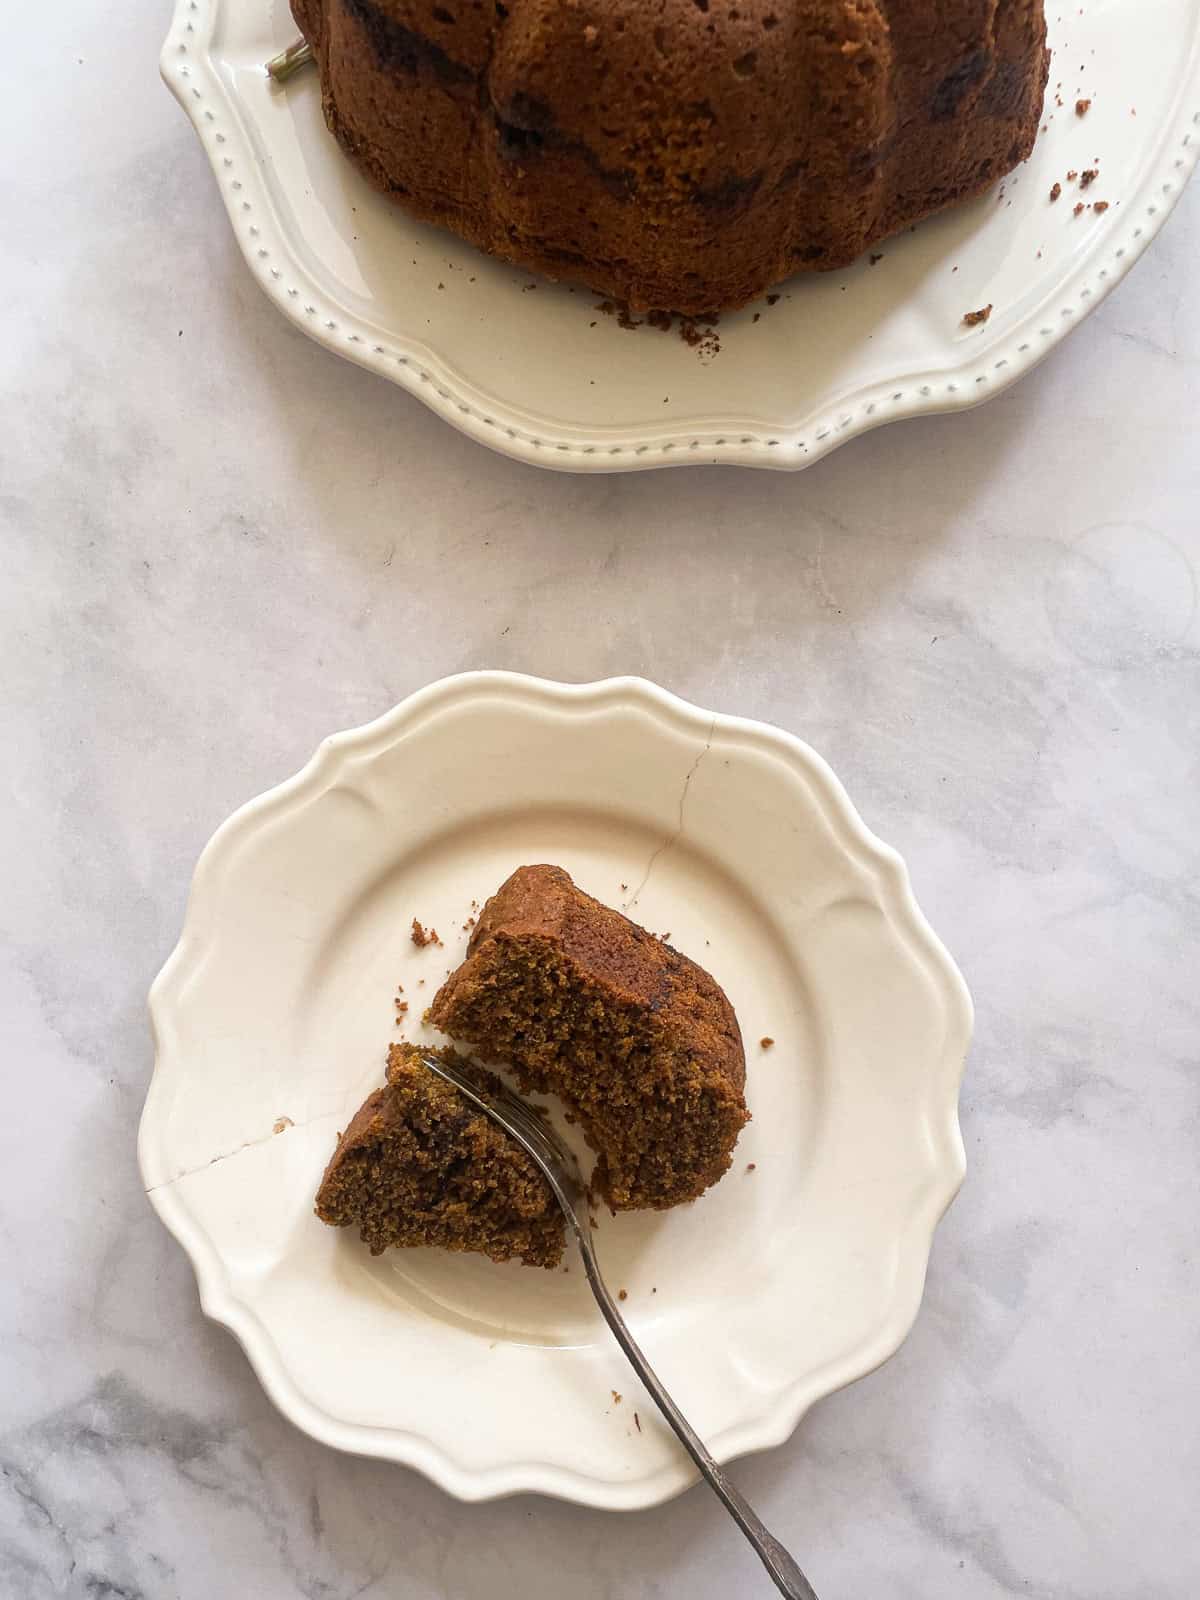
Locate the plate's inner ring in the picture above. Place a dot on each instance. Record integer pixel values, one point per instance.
(662, 1259)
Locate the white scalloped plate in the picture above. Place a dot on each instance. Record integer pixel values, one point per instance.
(272, 1015)
(534, 370)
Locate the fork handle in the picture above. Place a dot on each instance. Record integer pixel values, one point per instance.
(558, 1170)
(784, 1572)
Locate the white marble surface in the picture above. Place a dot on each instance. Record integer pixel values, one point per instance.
(220, 543)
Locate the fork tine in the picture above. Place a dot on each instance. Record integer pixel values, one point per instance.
(515, 1115)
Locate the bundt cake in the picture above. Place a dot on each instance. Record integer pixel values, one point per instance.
(419, 1165)
(639, 1042)
(681, 155)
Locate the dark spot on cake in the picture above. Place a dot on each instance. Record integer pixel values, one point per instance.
(789, 175)
(1004, 93)
(956, 85)
(399, 49)
(746, 66)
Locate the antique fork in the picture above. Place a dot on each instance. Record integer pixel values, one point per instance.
(558, 1168)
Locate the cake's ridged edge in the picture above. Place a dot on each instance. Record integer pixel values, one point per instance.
(672, 219)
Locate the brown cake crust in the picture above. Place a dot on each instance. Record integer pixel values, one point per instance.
(640, 1042)
(419, 1165)
(685, 155)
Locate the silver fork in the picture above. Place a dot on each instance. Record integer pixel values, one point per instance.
(558, 1168)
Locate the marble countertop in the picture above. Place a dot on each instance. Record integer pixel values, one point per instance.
(220, 543)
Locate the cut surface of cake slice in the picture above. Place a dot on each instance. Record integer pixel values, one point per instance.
(640, 1043)
(419, 1165)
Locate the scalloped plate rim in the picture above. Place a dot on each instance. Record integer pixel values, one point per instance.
(501, 426)
(782, 1410)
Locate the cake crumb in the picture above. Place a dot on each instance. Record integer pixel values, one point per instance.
(423, 936)
(751, 1165)
(616, 1398)
(284, 1122)
(1086, 179)
(705, 341)
(622, 1294)
(637, 1424)
(1055, 192)
(766, 1042)
(1082, 107)
(974, 318)
(1080, 209)
(1072, 175)
(1100, 207)
(772, 299)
